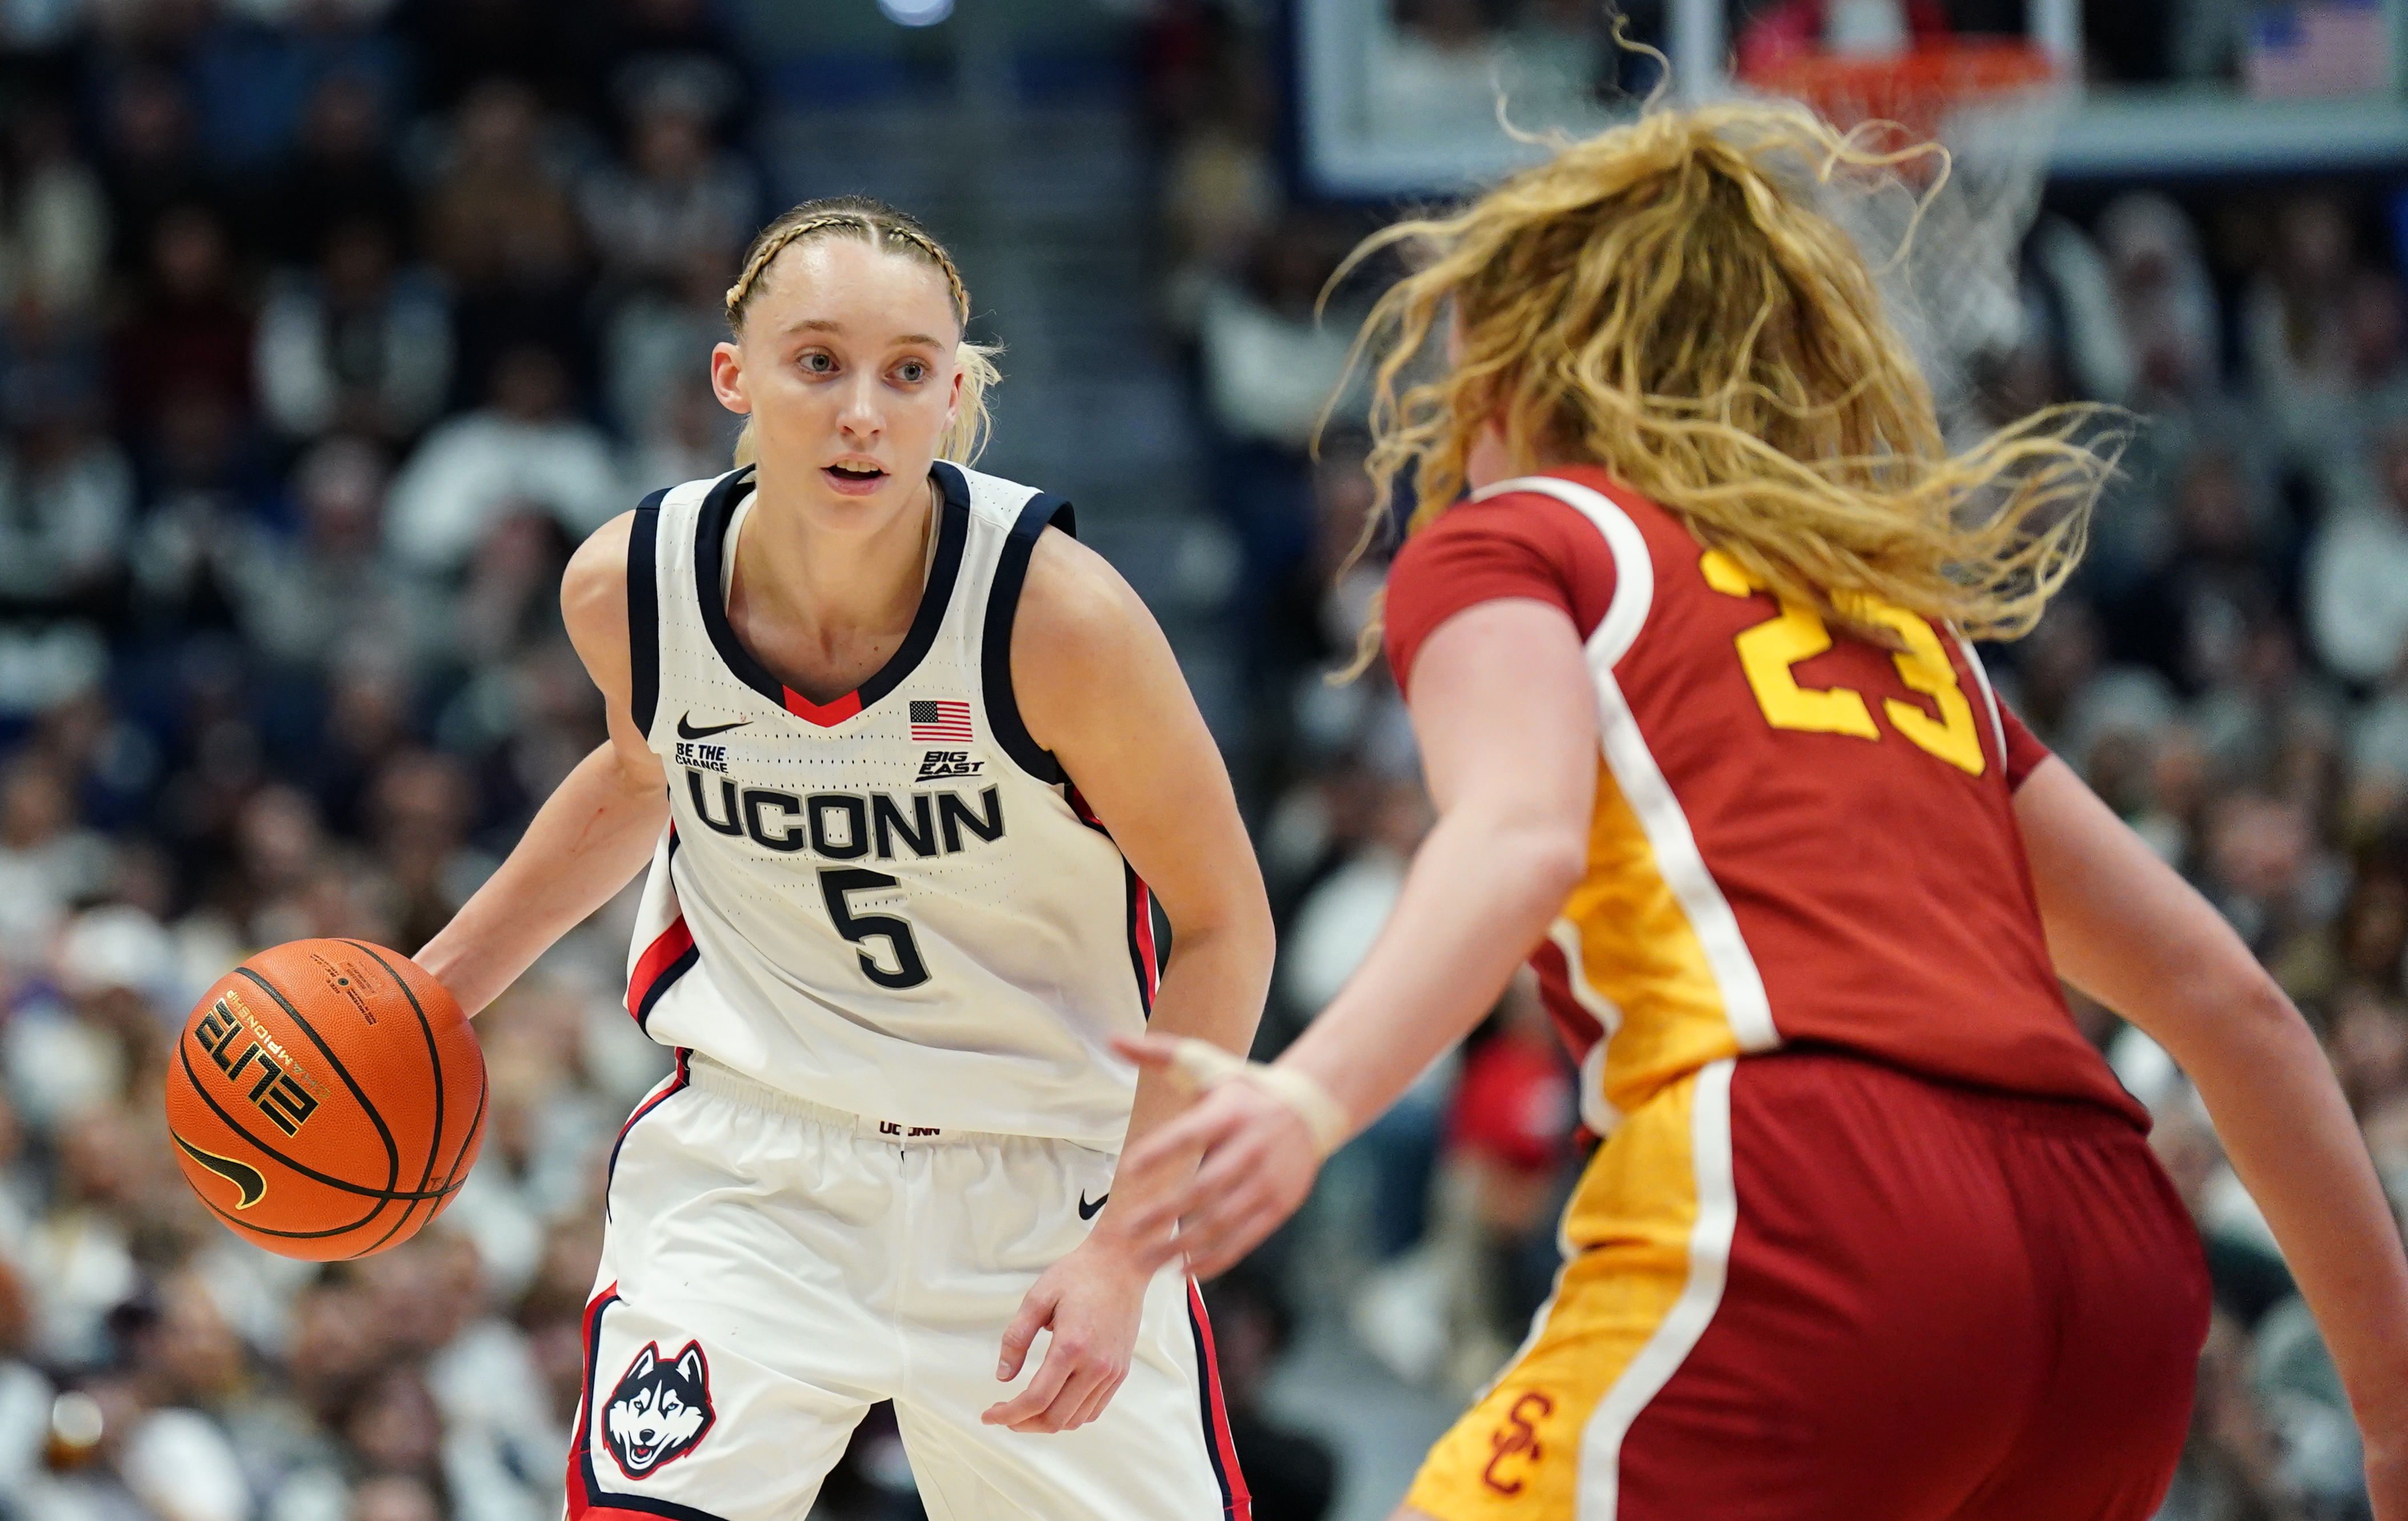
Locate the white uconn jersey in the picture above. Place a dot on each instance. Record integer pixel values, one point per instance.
(893, 904)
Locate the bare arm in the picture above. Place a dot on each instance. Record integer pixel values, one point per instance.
(592, 834)
(2126, 929)
(1098, 686)
(1506, 713)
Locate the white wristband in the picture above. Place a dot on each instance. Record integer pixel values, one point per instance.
(1200, 1067)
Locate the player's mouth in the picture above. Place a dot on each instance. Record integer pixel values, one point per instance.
(853, 478)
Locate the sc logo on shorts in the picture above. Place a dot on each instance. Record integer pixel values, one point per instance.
(1517, 1438)
(660, 1411)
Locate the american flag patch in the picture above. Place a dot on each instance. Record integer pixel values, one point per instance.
(941, 722)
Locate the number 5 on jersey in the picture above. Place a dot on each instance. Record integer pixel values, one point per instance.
(1770, 651)
(837, 886)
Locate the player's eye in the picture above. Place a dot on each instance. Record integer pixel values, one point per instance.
(911, 371)
(818, 362)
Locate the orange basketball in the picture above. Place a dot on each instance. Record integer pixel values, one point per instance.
(327, 1099)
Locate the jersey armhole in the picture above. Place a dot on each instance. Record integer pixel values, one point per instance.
(1002, 607)
(644, 615)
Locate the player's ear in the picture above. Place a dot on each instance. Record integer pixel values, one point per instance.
(728, 378)
(689, 1364)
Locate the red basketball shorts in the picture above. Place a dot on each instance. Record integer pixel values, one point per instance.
(1805, 1287)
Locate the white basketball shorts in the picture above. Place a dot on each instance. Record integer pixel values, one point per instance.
(771, 1268)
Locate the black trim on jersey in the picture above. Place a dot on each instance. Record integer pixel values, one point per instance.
(644, 614)
(597, 1497)
(1204, 1393)
(711, 544)
(1002, 606)
(686, 962)
(1136, 896)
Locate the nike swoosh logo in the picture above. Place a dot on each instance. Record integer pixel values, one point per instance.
(1087, 1210)
(687, 731)
(242, 1174)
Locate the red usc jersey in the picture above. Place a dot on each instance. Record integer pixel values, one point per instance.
(1798, 837)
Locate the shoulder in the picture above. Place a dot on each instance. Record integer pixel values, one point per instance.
(594, 588)
(1074, 607)
(1520, 544)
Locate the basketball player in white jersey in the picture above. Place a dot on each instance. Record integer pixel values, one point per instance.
(908, 769)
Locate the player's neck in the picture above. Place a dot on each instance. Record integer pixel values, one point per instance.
(823, 604)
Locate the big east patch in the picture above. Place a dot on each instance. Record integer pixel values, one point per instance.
(660, 1410)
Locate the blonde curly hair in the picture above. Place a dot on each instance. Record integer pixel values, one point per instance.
(1666, 300)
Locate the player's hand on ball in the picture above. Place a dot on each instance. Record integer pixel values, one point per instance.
(1258, 1163)
(1091, 1301)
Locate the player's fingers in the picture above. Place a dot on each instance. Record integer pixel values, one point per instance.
(1098, 1401)
(1035, 1311)
(1062, 1358)
(1057, 1413)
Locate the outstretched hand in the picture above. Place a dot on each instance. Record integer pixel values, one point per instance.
(1258, 1163)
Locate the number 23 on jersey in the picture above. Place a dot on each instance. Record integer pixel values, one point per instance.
(1769, 653)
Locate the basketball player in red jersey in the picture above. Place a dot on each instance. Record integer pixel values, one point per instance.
(1872, 1231)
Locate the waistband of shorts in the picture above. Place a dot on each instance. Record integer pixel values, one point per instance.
(727, 1082)
(2065, 1117)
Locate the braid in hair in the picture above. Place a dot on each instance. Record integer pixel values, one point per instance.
(881, 227)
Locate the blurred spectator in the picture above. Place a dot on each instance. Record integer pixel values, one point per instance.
(2296, 324)
(2166, 318)
(501, 228)
(253, 83)
(361, 346)
(54, 218)
(191, 334)
(2191, 615)
(1511, 1130)
(2358, 572)
(66, 505)
(342, 174)
(640, 50)
(332, 591)
(154, 159)
(657, 348)
(676, 200)
(525, 449)
(46, 862)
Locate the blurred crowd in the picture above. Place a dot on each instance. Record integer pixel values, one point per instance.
(328, 326)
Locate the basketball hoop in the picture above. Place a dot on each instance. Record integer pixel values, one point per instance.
(1944, 251)
(1919, 91)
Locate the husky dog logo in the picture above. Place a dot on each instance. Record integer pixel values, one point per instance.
(659, 1410)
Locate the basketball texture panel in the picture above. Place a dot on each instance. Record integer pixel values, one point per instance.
(327, 1099)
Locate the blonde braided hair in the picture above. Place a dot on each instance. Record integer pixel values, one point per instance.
(883, 227)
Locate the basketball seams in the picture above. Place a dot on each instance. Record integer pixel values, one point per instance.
(385, 1131)
(200, 1089)
(435, 1058)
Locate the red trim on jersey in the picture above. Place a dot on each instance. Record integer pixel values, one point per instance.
(1237, 1502)
(1580, 1029)
(826, 715)
(1141, 926)
(580, 1505)
(658, 957)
